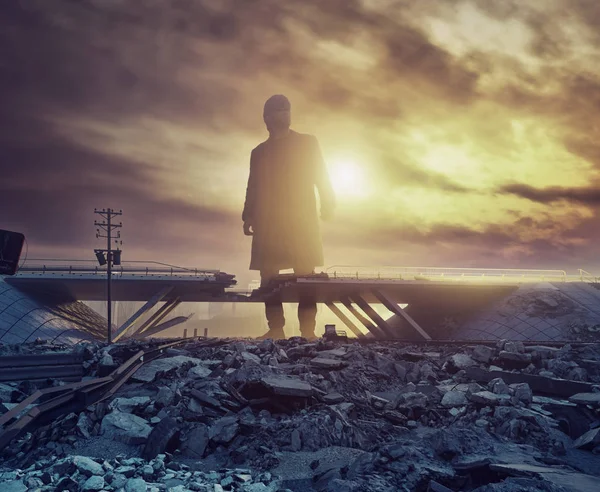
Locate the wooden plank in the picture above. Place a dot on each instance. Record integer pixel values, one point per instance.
(344, 319)
(394, 308)
(375, 330)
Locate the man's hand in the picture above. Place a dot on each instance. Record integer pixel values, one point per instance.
(248, 229)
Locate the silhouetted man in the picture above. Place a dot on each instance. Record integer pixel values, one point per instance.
(280, 211)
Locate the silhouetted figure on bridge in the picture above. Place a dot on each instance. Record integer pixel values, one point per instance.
(280, 211)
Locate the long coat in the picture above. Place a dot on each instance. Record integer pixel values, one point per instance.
(281, 205)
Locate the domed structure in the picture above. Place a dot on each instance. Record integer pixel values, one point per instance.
(25, 316)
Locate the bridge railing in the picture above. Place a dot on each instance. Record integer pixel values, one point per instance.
(138, 268)
(450, 274)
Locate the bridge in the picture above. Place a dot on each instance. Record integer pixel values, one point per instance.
(348, 291)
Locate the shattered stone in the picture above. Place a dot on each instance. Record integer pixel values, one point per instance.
(147, 373)
(489, 398)
(330, 364)
(125, 427)
(522, 392)
(589, 440)
(288, 387)
(498, 387)
(514, 347)
(93, 483)
(482, 353)
(128, 405)
(518, 357)
(333, 398)
(454, 399)
(459, 361)
(224, 430)
(592, 399)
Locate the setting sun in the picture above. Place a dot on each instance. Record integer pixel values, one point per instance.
(347, 178)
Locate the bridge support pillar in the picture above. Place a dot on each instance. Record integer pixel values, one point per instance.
(397, 310)
(127, 328)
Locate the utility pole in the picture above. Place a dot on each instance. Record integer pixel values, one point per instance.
(113, 257)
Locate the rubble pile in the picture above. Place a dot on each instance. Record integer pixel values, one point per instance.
(262, 415)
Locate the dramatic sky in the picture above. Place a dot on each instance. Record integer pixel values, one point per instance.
(457, 133)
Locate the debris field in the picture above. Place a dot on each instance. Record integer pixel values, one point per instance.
(268, 416)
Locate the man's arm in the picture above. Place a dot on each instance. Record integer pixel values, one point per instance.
(251, 191)
(323, 183)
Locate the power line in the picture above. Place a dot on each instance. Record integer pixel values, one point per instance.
(113, 256)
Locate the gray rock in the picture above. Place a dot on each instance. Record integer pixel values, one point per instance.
(411, 400)
(127, 471)
(515, 357)
(198, 372)
(462, 361)
(93, 483)
(224, 430)
(135, 485)
(324, 363)
(287, 386)
(522, 392)
(14, 486)
(482, 353)
(333, 398)
(119, 481)
(247, 356)
(488, 398)
(454, 399)
(107, 360)
(592, 399)
(514, 347)
(125, 427)
(196, 441)
(589, 440)
(84, 425)
(165, 397)
(147, 372)
(296, 441)
(498, 387)
(87, 466)
(128, 405)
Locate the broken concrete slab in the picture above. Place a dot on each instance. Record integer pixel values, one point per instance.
(592, 399)
(128, 405)
(482, 353)
(147, 372)
(125, 427)
(572, 481)
(550, 386)
(589, 440)
(288, 387)
(333, 398)
(199, 372)
(454, 399)
(489, 398)
(330, 364)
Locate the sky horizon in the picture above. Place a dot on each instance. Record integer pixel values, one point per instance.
(457, 134)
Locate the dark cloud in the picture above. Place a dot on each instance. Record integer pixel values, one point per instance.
(586, 196)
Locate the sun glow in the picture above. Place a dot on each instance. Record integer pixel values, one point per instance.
(348, 179)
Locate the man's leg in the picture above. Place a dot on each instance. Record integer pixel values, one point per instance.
(273, 309)
(307, 309)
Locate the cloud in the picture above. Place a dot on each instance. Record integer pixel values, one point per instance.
(153, 107)
(587, 196)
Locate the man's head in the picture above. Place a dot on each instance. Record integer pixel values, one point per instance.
(276, 113)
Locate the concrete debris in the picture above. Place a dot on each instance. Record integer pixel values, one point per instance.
(274, 416)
